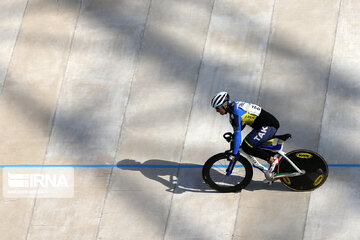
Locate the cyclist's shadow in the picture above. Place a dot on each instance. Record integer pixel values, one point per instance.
(178, 178)
(183, 177)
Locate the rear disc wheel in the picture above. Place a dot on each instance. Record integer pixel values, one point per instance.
(316, 170)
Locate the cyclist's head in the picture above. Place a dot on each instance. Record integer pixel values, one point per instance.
(220, 100)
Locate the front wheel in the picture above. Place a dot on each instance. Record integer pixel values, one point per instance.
(316, 170)
(214, 173)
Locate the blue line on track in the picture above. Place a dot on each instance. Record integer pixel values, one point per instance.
(343, 165)
(100, 166)
(134, 166)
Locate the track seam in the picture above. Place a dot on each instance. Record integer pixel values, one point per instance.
(3, 87)
(189, 116)
(324, 105)
(56, 108)
(329, 75)
(266, 53)
(237, 214)
(13, 50)
(136, 62)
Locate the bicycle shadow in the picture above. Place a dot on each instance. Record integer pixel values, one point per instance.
(176, 177)
(184, 177)
(256, 185)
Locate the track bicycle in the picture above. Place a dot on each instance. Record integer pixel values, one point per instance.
(299, 170)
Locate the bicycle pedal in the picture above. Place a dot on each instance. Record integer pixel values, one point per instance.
(268, 182)
(269, 175)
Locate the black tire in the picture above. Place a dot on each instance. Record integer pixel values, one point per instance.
(316, 170)
(214, 173)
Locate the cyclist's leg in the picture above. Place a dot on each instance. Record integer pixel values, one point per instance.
(255, 138)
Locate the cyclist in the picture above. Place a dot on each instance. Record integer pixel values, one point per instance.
(264, 125)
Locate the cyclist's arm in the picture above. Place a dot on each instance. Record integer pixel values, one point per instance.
(237, 131)
(237, 141)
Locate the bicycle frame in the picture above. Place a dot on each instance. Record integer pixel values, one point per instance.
(262, 168)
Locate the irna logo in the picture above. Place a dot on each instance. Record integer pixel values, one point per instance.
(37, 180)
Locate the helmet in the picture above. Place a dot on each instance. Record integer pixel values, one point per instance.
(220, 99)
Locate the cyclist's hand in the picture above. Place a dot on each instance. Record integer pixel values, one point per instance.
(231, 157)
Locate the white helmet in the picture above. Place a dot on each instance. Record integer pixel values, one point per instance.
(220, 99)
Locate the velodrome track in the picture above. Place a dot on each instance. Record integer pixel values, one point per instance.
(120, 90)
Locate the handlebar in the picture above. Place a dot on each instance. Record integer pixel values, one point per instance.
(228, 136)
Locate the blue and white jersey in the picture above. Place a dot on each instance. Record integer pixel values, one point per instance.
(241, 114)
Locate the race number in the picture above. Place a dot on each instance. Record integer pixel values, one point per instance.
(254, 109)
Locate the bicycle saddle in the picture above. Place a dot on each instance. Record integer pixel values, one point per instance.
(283, 137)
